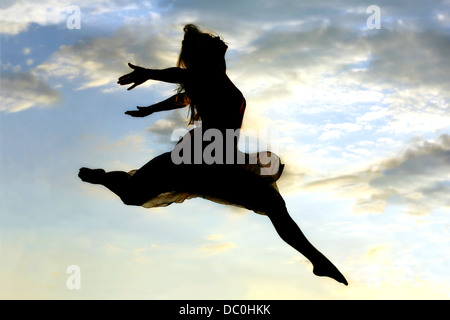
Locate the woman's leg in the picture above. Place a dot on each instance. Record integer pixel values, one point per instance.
(116, 181)
(133, 189)
(290, 232)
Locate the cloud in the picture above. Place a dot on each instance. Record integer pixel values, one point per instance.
(166, 126)
(348, 81)
(360, 74)
(418, 180)
(98, 62)
(23, 90)
(213, 247)
(16, 17)
(312, 60)
(91, 63)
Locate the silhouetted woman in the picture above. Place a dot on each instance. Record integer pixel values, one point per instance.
(215, 101)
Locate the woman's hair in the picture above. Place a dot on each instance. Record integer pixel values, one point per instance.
(197, 52)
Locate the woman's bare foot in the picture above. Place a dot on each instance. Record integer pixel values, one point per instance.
(324, 268)
(94, 176)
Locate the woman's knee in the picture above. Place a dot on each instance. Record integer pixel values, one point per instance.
(276, 207)
(130, 200)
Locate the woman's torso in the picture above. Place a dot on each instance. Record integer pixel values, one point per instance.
(220, 104)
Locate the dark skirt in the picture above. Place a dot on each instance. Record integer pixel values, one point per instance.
(249, 184)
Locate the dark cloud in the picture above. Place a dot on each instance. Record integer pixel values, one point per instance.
(164, 128)
(419, 180)
(23, 90)
(406, 58)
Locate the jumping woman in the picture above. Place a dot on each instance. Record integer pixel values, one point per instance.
(217, 103)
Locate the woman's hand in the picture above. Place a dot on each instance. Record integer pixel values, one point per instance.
(137, 77)
(140, 112)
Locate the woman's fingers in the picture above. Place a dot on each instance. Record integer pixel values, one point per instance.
(140, 112)
(133, 113)
(134, 77)
(134, 85)
(124, 81)
(127, 78)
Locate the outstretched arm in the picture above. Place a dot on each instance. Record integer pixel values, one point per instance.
(140, 75)
(175, 102)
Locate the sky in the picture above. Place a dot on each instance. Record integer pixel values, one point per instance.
(356, 105)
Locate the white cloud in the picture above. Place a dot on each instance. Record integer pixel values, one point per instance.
(16, 16)
(213, 249)
(375, 113)
(213, 246)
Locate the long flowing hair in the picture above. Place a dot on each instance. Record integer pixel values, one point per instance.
(196, 54)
